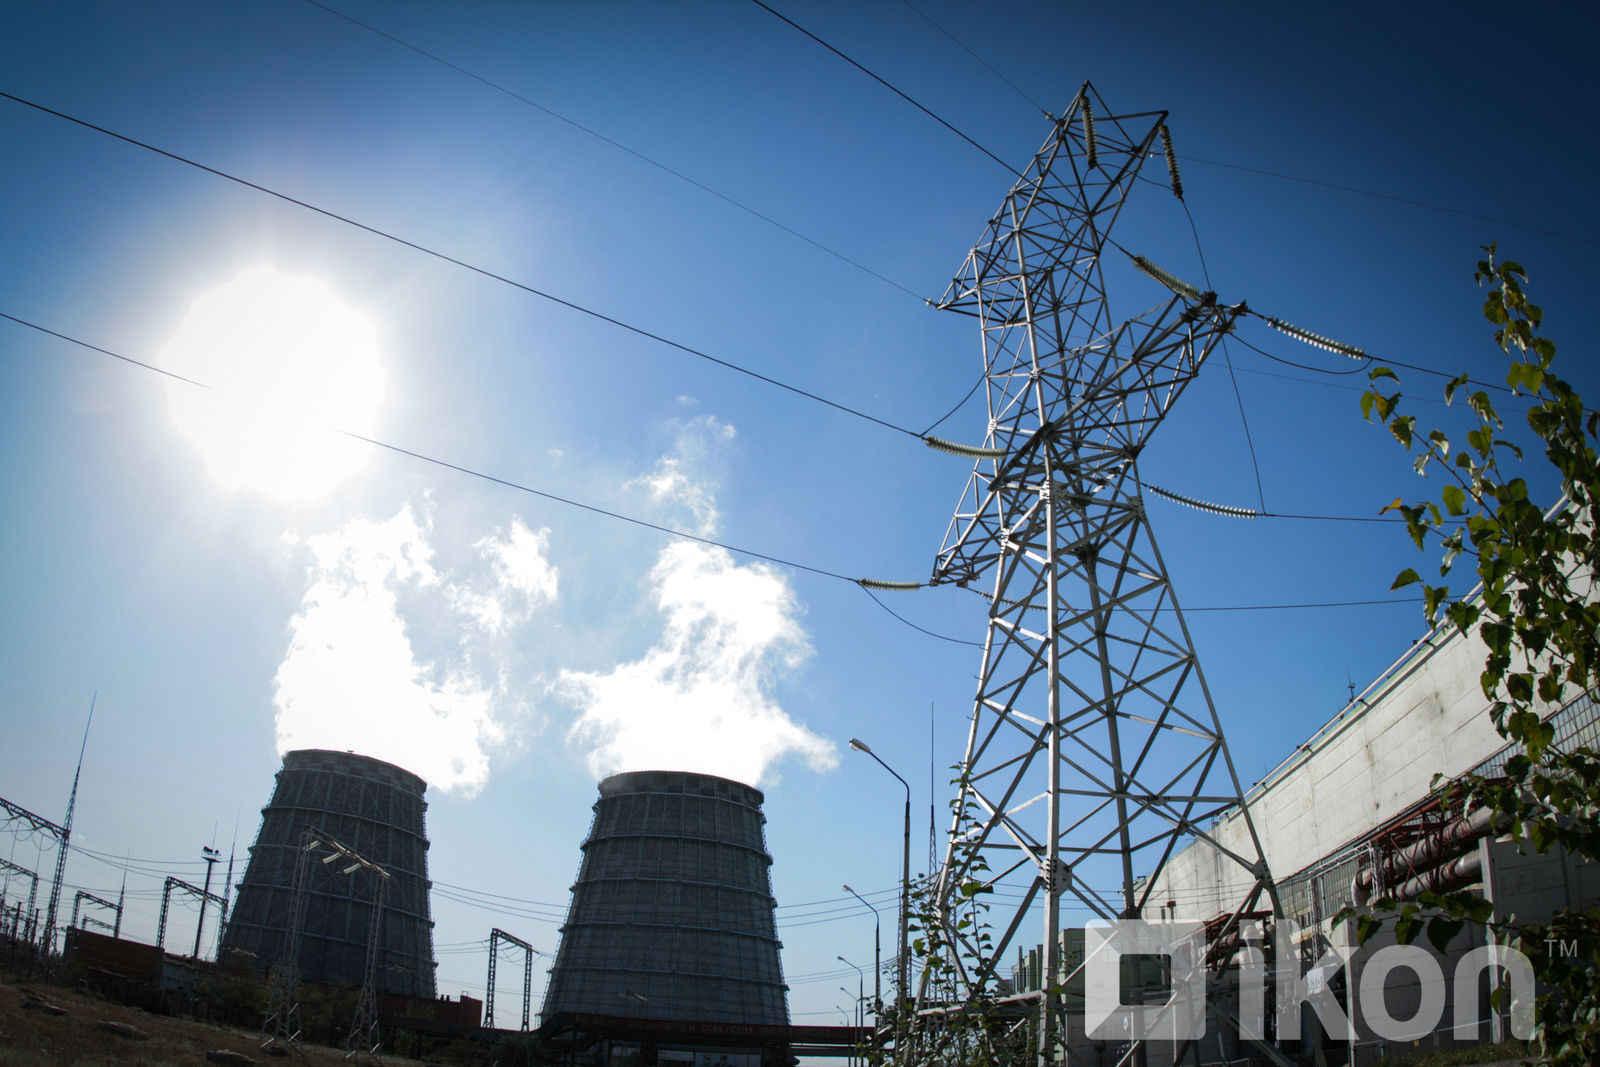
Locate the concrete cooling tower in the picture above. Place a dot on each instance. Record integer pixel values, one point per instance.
(672, 914)
(367, 805)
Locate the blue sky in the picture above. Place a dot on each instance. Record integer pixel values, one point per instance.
(513, 647)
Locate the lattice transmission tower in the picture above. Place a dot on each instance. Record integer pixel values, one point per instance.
(1094, 751)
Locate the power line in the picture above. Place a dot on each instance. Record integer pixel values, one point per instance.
(1395, 199)
(1292, 607)
(914, 626)
(1308, 605)
(507, 483)
(1227, 358)
(615, 144)
(1254, 461)
(1305, 366)
(883, 82)
(990, 67)
(470, 472)
(644, 523)
(1253, 170)
(484, 272)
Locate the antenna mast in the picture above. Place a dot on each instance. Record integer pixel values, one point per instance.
(1094, 752)
(66, 838)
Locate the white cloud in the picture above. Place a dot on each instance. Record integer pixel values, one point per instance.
(700, 698)
(524, 578)
(686, 476)
(352, 678)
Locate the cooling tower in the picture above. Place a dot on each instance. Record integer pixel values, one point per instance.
(672, 913)
(367, 805)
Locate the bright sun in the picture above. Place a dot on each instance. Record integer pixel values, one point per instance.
(285, 361)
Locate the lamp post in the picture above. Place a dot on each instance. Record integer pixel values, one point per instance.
(210, 855)
(905, 877)
(860, 987)
(877, 954)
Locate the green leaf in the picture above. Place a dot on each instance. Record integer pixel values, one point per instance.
(1441, 930)
(1405, 578)
(1455, 499)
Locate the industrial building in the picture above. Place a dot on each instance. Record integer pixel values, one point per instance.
(373, 808)
(671, 939)
(1351, 817)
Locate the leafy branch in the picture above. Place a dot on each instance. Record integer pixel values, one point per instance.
(1537, 619)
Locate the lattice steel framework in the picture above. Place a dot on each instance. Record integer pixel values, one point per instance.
(1094, 750)
(194, 891)
(33, 879)
(115, 928)
(15, 814)
(280, 1030)
(363, 1037)
(497, 935)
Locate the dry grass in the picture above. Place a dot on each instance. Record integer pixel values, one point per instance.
(31, 1038)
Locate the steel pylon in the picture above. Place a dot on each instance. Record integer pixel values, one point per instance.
(1094, 751)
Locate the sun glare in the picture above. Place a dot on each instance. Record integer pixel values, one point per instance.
(286, 360)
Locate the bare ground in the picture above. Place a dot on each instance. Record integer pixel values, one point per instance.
(32, 1037)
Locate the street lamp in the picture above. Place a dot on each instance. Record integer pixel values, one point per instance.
(877, 954)
(857, 1034)
(210, 855)
(905, 872)
(861, 994)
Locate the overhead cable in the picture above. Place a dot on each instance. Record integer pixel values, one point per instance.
(1227, 354)
(1302, 366)
(504, 280)
(959, 44)
(1172, 157)
(615, 144)
(544, 494)
(1396, 199)
(470, 472)
(902, 585)
(885, 83)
